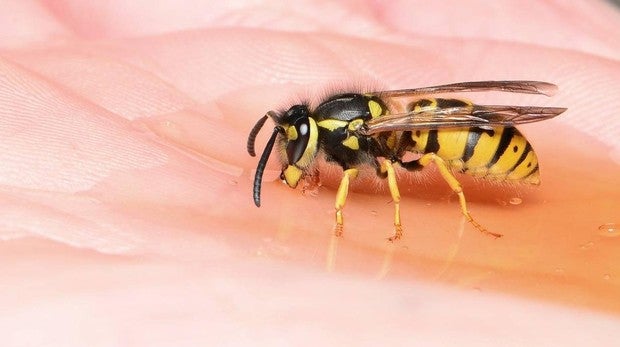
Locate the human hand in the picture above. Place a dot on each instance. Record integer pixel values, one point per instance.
(126, 189)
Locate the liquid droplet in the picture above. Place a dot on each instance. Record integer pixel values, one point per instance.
(606, 277)
(609, 230)
(587, 245)
(373, 213)
(515, 201)
(311, 186)
(312, 192)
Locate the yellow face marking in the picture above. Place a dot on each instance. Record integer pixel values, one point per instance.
(292, 175)
(352, 142)
(375, 109)
(332, 124)
(291, 133)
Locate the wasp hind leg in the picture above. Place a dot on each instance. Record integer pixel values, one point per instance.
(452, 182)
(388, 168)
(341, 198)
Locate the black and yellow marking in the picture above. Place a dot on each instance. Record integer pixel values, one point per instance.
(378, 129)
(375, 108)
(526, 168)
(332, 124)
(351, 142)
(473, 136)
(489, 153)
(423, 105)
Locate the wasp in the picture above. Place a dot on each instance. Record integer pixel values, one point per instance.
(377, 130)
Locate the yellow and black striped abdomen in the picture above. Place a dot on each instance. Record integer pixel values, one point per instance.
(498, 153)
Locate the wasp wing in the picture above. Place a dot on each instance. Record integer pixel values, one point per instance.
(466, 116)
(525, 87)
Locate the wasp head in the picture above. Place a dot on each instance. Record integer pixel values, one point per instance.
(297, 135)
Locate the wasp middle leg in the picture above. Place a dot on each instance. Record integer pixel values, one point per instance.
(341, 197)
(388, 168)
(447, 175)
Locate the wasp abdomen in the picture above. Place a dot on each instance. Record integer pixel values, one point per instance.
(495, 153)
(498, 153)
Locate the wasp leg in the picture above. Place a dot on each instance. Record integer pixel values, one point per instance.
(387, 167)
(452, 182)
(341, 198)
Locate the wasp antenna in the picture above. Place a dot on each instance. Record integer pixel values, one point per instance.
(274, 116)
(258, 177)
(253, 133)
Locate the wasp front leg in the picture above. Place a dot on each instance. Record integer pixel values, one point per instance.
(388, 168)
(341, 197)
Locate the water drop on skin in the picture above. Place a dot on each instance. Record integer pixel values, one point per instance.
(609, 230)
(606, 277)
(515, 201)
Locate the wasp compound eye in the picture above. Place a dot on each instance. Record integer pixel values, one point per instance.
(298, 136)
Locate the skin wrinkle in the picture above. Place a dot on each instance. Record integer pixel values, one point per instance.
(141, 118)
(112, 83)
(61, 123)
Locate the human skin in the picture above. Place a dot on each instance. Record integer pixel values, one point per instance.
(127, 217)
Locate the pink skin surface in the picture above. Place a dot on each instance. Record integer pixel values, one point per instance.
(125, 186)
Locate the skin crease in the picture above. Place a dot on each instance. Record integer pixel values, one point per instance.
(125, 186)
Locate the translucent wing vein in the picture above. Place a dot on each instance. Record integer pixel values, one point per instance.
(478, 115)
